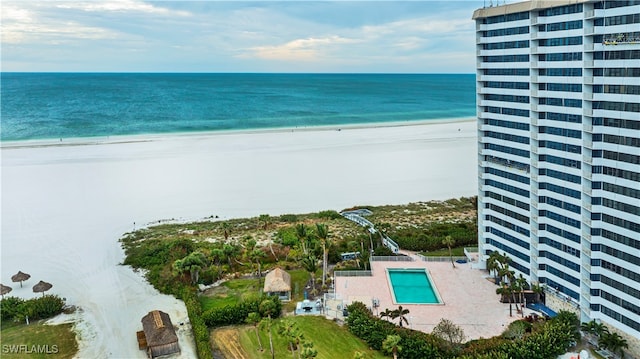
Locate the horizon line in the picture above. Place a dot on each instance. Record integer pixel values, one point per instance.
(237, 73)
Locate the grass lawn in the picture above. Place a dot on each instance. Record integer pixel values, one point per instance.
(58, 340)
(329, 339)
(232, 291)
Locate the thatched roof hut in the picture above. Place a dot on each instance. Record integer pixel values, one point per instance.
(278, 282)
(4, 289)
(42, 286)
(20, 277)
(160, 336)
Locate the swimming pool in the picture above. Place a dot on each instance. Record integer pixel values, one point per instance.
(412, 286)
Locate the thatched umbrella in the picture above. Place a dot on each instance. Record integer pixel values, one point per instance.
(20, 277)
(4, 289)
(42, 287)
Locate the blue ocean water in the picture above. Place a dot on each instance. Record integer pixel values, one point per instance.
(69, 105)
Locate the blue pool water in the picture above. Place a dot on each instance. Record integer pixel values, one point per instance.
(412, 286)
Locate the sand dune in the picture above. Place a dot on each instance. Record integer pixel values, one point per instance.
(64, 205)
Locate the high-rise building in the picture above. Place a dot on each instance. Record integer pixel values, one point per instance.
(558, 96)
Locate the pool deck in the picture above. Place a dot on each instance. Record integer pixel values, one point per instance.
(470, 300)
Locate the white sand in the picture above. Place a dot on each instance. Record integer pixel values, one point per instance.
(65, 206)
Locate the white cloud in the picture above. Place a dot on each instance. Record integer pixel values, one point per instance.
(121, 6)
(20, 25)
(309, 49)
(234, 36)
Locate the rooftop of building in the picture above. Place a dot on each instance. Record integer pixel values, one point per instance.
(521, 6)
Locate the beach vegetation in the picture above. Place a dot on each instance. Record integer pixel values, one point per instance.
(199, 327)
(228, 256)
(19, 310)
(237, 313)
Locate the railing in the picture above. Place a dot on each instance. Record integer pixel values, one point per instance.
(355, 217)
(391, 259)
(353, 273)
(439, 258)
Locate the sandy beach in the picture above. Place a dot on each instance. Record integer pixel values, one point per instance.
(66, 204)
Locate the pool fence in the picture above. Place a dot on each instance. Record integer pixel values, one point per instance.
(353, 273)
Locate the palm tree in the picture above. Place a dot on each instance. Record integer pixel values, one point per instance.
(400, 313)
(310, 264)
(613, 342)
(256, 255)
(496, 262)
(226, 228)
(522, 283)
(538, 290)
(192, 263)
(254, 318)
(267, 307)
(449, 242)
(390, 345)
(230, 251)
(301, 233)
(265, 219)
(515, 289)
(367, 230)
(386, 314)
(505, 292)
(308, 351)
(289, 330)
(323, 234)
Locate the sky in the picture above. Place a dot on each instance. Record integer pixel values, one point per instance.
(425, 36)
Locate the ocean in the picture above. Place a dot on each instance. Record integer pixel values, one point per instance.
(38, 106)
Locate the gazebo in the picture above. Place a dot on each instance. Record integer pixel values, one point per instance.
(278, 283)
(158, 336)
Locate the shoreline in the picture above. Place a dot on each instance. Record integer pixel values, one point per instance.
(119, 139)
(65, 207)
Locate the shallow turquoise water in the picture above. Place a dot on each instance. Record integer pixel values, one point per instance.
(71, 105)
(412, 286)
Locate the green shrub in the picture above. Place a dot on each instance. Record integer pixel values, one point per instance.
(374, 331)
(429, 237)
(36, 308)
(289, 218)
(329, 215)
(236, 314)
(200, 330)
(9, 307)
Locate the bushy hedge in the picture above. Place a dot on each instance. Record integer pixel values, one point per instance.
(374, 331)
(430, 236)
(236, 314)
(549, 340)
(200, 330)
(17, 309)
